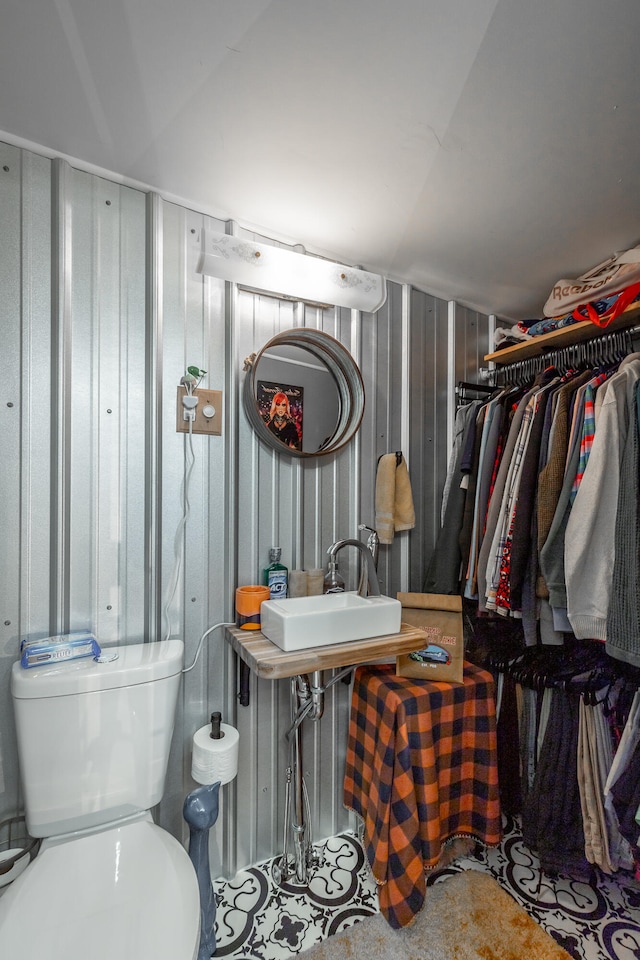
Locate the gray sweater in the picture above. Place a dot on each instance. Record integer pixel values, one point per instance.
(623, 621)
(590, 534)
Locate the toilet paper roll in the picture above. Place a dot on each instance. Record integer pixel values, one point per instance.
(213, 760)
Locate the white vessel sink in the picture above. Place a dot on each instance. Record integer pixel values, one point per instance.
(300, 623)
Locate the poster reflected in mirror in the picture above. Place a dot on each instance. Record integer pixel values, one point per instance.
(280, 406)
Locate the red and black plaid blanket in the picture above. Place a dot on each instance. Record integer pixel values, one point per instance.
(421, 768)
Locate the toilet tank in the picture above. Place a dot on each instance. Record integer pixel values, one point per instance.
(94, 738)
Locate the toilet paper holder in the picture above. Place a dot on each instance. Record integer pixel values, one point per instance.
(214, 754)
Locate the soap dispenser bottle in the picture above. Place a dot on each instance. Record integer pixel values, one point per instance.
(276, 575)
(333, 582)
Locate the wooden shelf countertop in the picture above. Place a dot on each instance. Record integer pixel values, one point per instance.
(565, 337)
(271, 663)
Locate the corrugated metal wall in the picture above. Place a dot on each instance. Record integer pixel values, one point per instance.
(102, 312)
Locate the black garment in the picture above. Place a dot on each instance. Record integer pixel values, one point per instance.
(287, 434)
(468, 447)
(509, 749)
(443, 572)
(552, 814)
(466, 525)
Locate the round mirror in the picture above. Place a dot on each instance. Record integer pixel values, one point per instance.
(303, 393)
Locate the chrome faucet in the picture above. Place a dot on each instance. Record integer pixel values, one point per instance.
(372, 577)
(373, 545)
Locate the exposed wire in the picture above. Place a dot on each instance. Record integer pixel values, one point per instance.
(201, 641)
(179, 537)
(191, 381)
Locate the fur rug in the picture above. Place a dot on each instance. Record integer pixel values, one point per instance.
(468, 916)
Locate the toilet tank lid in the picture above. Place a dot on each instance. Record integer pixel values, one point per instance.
(135, 663)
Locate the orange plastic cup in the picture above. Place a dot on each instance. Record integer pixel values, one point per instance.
(248, 600)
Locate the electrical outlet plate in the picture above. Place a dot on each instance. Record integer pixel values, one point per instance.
(201, 424)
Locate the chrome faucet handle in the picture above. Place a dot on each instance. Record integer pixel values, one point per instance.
(373, 541)
(364, 526)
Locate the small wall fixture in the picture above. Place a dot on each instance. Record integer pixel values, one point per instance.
(290, 274)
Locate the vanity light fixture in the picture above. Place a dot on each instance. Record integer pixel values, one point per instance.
(294, 275)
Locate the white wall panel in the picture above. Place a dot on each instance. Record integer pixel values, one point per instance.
(194, 524)
(428, 425)
(98, 328)
(25, 425)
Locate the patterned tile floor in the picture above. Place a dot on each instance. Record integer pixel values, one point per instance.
(259, 920)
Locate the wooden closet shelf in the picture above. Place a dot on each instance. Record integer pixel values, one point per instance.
(565, 337)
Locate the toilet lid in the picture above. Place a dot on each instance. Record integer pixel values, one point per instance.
(126, 892)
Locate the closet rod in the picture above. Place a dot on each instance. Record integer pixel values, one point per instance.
(463, 387)
(608, 348)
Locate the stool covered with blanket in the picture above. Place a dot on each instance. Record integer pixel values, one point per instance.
(421, 769)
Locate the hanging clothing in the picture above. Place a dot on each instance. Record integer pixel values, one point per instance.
(443, 572)
(498, 569)
(596, 838)
(622, 757)
(588, 428)
(551, 559)
(522, 531)
(539, 541)
(552, 816)
(551, 476)
(623, 618)
(467, 524)
(492, 440)
(489, 548)
(590, 534)
(463, 416)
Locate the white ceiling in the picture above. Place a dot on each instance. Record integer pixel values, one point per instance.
(479, 149)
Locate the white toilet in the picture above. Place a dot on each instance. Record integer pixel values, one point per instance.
(93, 744)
